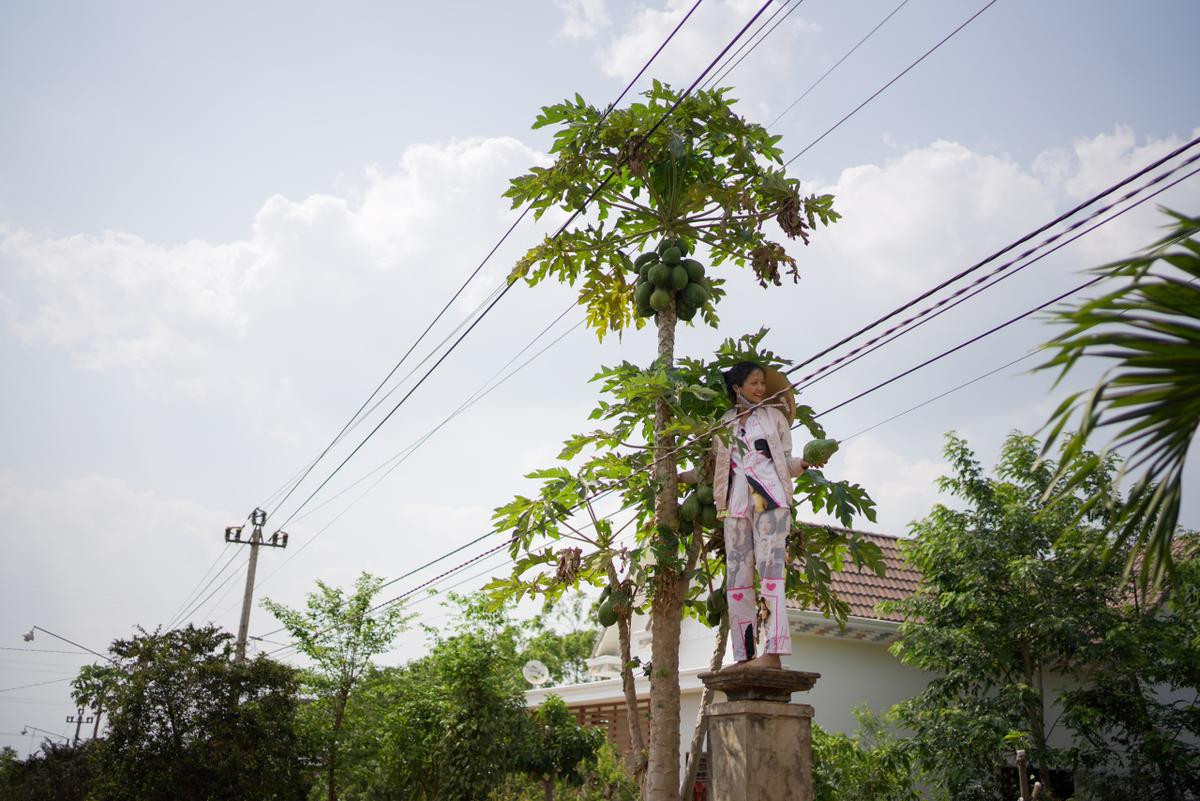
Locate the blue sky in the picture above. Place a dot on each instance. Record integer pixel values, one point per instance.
(220, 224)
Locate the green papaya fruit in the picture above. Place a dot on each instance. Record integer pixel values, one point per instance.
(818, 451)
(644, 309)
(659, 275)
(713, 617)
(708, 517)
(704, 494)
(695, 269)
(672, 255)
(690, 508)
(607, 615)
(642, 293)
(660, 299)
(679, 278)
(694, 295)
(719, 599)
(645, 258)
(604, 593)
(685, 311)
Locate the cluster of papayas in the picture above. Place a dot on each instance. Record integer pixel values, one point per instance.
(698, 507)
(667, 271)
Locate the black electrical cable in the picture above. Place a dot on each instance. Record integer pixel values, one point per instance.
(474, 273)
(720, 78)
(997, 254)
(750, 42)
(847, 55)
(196, 607)
(999, 274)
(874, 388)
(508, 286)
(884, 88)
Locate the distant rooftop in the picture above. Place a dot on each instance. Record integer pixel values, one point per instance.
(863, 590)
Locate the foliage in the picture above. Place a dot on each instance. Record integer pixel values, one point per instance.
(607, 780)
(1150, 328)
(704, 174)
(555, 747)
(563, 653)
(340, 633)
(58, 772)
(187, 721)
(446, 726)
(1136, 718)
(871, 764)
(1015, 591)
(604, 458)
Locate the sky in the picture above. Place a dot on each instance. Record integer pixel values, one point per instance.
(221, 224)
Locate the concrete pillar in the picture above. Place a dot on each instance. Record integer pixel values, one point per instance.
(760, 744)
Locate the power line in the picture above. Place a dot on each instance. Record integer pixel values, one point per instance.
(877, 386)
(479, 267)
(997, 254)
(964, 294)
(403, 455)
(724, 70)
(574, 215)
(230, 577)
(884, 88)
(837, 64)
(36, 684)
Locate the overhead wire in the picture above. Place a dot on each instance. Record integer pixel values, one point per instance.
(836, 64)
(1020, 241)
(508, 286)
(885, 87)
(400, 457)
(872, 389)
(752, 42)
(503, 238)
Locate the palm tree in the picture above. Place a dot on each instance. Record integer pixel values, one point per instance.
(1149, 328)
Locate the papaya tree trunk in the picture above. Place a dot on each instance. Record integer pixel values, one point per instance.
(701, 728)
(662, 775)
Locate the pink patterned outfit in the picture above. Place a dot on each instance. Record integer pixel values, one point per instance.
(756, 529)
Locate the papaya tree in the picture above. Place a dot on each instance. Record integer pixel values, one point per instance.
(668, 178)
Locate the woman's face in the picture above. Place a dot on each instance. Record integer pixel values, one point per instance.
(755, 388)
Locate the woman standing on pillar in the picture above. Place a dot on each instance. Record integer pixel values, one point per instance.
(752, 489)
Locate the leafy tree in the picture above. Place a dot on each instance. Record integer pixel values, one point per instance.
(700, 176)
(872, 764)
(565, 654)
(556, 748)
(1136, 719)
(1015, 589)
(187, 721)
(446, 726)
(59, 771)
(1149, 327)
(340, 633)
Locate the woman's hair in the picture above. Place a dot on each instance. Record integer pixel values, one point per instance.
(736, 376)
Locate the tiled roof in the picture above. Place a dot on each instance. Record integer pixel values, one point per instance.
(863, 590)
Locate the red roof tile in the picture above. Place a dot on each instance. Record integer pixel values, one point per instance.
(863, 589)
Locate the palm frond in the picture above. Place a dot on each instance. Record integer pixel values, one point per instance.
(1148, 327)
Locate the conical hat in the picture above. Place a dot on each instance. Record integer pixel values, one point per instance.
(780, 393)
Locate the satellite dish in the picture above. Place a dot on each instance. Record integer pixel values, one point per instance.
(535, 673)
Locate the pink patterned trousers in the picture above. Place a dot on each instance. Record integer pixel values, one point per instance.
(758, 542)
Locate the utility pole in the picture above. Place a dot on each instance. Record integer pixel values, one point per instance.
(78, 720)
(279, 539)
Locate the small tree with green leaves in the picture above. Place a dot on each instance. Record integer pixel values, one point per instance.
(557, 748)
(340, 633)
(667, 175)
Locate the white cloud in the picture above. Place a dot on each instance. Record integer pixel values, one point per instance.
(583, 19)
(200, 320)
(706, 33)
